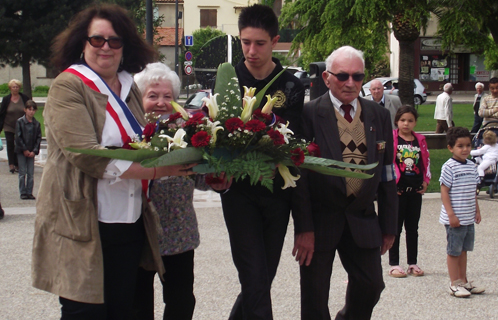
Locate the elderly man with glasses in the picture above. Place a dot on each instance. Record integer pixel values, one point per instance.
(339, 213)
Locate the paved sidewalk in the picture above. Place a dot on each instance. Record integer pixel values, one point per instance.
(216, 285)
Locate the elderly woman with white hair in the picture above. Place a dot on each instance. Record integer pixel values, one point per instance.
(173, 199)
(477, 104)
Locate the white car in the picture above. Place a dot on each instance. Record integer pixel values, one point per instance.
(391, 87)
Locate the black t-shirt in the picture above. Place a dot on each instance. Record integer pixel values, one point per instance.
(409, 161)
(290, 93)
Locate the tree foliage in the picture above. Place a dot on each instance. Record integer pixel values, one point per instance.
(364, 24)
(472, 24)
(27, 28)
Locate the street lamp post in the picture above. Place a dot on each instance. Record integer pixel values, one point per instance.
(148, 22)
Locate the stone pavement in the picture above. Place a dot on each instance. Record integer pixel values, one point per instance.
(216, 284)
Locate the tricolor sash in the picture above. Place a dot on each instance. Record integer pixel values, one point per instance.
(116, 109)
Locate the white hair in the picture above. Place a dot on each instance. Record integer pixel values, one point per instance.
(480, 84)
(344, 51)
(157, 72)
(447, 87)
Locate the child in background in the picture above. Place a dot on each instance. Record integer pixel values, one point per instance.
(28, 139)
(413, 174)
(460, 210)
(488, 152)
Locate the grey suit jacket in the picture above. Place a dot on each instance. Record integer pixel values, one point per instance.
(391, 103)
(320, 203)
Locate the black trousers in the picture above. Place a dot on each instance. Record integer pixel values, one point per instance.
(409, 207)
(122, 246)
(256, 226)
(10, 138)
(365, 282)
(178, 289)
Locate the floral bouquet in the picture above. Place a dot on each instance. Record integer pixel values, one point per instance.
(235, 137)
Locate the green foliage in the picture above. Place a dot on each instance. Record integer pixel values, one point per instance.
(201, 37)
(41, 89)
(469, 23)
(4, 89)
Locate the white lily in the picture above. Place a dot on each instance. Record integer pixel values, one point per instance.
(177, 141)
(270, 102)
(249, 92)
(248, 105)
(212, 105)
(289, 179)
(213, 127)
(179, 108)
(285, 131)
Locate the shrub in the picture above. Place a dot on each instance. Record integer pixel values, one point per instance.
(4, 88)
(41, 89)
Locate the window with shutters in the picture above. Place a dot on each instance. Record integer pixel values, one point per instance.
(208, 18)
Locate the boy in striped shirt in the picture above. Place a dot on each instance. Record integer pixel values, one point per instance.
(459, 210)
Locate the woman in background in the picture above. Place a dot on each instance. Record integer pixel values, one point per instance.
(12, 108)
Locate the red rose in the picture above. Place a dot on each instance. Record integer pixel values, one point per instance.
(277, 137)
(149, 131)
(313, 149)
(266, 118)
(254, 126)
(297, 156)
(174, 116)
(195, 120)
(211, 179)
(233, 124)
(200, 139)
(126, 144)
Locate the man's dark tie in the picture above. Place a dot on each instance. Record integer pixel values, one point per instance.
(381, 103)
(347, 112)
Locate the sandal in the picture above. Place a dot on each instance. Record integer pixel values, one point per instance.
(415, 271)
(397, 272)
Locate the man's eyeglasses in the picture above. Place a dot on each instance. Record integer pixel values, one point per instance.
(345, 76)
(98, 42)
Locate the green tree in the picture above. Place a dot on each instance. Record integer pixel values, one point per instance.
(27, 28)
(364, 24)
(201, 37)
(472, 24)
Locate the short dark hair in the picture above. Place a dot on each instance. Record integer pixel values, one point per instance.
(69, 44)
(493, 80)
(405, 109)
(456, 132)
(30, 104)
(259, 16)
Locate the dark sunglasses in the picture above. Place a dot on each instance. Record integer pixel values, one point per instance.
(98, 42)
(345, 76)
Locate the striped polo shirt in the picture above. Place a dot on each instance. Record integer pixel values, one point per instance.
(462, 179)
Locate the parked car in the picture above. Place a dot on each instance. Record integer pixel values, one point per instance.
(305, 80)
(391, 87)
(195, 104)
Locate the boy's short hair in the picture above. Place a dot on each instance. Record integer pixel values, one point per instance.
(30, 104)
(493, 80)
(261, 17)
(457, 132)
(489, 137)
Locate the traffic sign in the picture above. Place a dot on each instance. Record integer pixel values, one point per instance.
(187, 63)
(188, 69)
(189, 41)
(188, 55)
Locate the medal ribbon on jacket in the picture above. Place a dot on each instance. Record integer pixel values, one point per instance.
(116, 108)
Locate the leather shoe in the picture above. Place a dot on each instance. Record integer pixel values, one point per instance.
(2, 213)
(24, 197)
(31, 197)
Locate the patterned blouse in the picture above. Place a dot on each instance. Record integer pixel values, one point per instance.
(173, 200)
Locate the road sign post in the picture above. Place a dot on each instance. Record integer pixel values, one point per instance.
(189, 41)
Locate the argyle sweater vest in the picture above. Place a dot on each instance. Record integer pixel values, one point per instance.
(353, 146)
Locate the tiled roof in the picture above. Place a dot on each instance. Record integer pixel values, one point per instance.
(168, 36)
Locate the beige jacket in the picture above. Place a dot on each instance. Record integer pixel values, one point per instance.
(67, 255)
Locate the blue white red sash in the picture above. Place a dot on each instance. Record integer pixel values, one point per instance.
(116, 108)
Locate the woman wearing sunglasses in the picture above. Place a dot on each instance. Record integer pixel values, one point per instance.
(93, 227)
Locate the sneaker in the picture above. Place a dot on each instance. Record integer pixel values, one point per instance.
(457, 290)
(472, 288)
